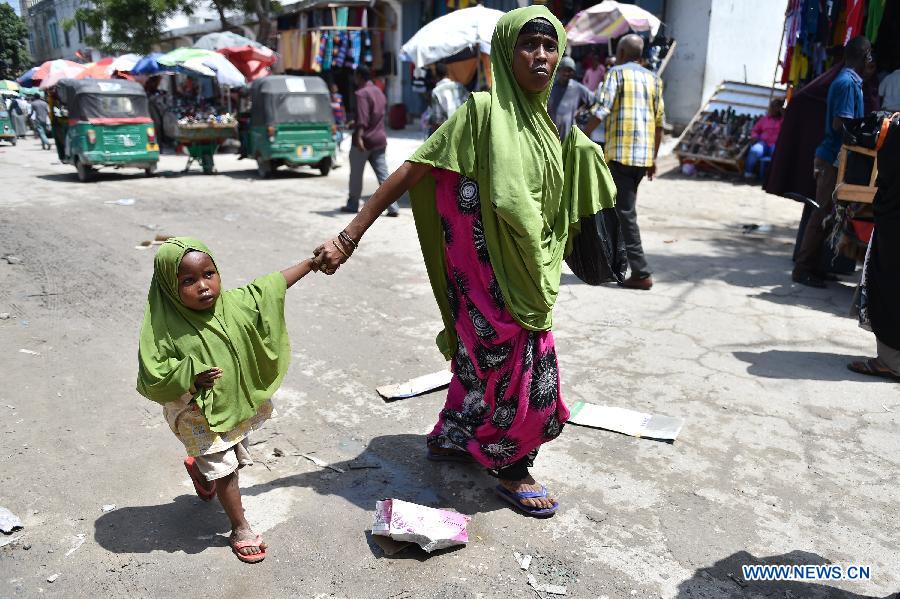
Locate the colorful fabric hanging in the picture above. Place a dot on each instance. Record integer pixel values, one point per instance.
(876, 14)
(328, 50)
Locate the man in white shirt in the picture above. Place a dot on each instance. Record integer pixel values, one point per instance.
(889, 90)
(446, 97)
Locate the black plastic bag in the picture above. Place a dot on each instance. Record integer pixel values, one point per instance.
(598, 252)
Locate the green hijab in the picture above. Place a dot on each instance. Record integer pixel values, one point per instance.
(533, 189)
(244, 334)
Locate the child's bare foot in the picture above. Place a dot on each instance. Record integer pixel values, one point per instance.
(529, 485)
(248, 545)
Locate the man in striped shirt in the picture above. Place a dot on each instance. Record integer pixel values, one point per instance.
(631, 108)
(446, 97)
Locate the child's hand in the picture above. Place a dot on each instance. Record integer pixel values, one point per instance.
(207, 378)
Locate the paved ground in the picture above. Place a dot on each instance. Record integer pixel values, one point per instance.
(786, 457)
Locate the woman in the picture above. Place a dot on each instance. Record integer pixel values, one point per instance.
(494, 214)
(764, 135)
(880, 286)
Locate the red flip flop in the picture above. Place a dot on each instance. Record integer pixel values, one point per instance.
(201, 492)
(236, 546)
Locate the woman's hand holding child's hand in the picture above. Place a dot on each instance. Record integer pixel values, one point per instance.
(330, 255)
(207, 378)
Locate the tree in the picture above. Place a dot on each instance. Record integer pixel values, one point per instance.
(14, 58)
(118, 26)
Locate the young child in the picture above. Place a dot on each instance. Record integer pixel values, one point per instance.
(213, 360)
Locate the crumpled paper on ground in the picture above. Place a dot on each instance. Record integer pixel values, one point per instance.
(430, 528)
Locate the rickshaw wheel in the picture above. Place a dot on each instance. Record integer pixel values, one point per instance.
(325, 166)
(85, 173)
(263, 168)
(150, 171)
(14, 141)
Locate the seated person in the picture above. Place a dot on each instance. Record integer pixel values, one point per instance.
(765, 134)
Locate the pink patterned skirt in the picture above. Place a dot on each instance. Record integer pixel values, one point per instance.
(504, 399)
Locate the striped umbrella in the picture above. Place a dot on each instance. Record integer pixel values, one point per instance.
(52, 71)
(608, 20)
(102, 69)
(9, 86)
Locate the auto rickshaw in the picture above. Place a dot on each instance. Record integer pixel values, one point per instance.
(7, 128)
(291, 124)
(100, 122)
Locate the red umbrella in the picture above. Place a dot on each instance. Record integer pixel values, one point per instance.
(102, 69)
(252, 62)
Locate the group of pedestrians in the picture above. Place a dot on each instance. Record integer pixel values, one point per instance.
(37, 112)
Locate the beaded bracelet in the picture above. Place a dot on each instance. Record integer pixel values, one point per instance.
(346, 237)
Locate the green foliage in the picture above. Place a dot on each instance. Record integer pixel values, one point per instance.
(119, 26)
(14, 58)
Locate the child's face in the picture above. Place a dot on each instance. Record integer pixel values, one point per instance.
(199, 284)
(534, 59)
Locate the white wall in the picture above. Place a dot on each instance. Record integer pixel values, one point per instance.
(717, 41)
(744, 37)
(688, 22)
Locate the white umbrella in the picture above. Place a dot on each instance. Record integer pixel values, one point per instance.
(224, 39)
(124, 63)
(609, 20)
(216, 65)
(451, 34)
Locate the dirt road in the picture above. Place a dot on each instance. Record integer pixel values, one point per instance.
(785, 457)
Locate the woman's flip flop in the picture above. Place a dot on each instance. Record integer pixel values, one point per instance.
(516, 500)
(253, 558)
(871, 367)
(201, 492)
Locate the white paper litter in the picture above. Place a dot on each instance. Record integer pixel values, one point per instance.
(29, 352)
(76, 544)
(627, 422)
(52, 579)
(9, 522)
(416, 386)
(430, 528)
(523, 560)
(108, 507)
(122, 202)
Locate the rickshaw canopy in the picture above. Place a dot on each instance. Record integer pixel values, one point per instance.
(97, 100)
(287, 99)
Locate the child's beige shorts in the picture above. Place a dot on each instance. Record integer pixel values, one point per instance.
(217, 465)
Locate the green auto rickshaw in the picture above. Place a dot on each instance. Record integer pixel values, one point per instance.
(7, 127)
(291, 124)
(103, 122)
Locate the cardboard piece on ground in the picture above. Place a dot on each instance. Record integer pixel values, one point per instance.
(627, 422)
(430, 528)
(416, 386)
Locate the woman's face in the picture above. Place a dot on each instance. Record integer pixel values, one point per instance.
(534, 60)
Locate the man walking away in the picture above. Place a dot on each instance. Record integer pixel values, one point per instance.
(40, 118)
(845, 101)
(446, 97)
(566, 97)
(369, 139)
(631, 107)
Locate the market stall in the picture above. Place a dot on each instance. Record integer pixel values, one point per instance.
(718, 136)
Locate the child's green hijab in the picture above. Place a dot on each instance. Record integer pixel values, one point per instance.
(244, 335)
(533, 189)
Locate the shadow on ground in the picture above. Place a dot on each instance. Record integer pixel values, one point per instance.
(724, 580)
(390, 466)
(803, 365)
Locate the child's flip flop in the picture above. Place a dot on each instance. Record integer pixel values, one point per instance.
(516, 500)
(201, 492)
(254, 558)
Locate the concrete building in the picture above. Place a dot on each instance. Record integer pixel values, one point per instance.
(48, 38)
(718, 40)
